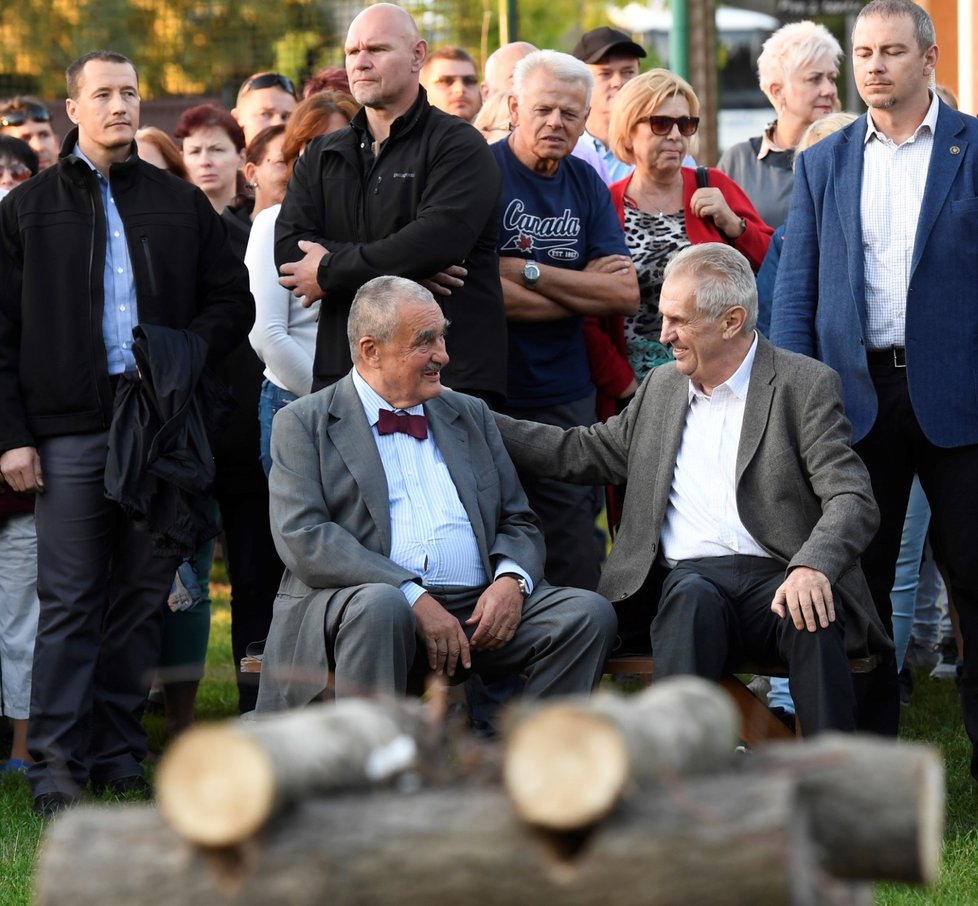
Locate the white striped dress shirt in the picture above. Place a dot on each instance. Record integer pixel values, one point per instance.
(430, 531)
(894, 177)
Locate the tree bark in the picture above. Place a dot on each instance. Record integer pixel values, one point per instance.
(876, 808)
(218, 784)
(723, 841)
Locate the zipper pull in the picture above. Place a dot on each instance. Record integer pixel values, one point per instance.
(377, 185)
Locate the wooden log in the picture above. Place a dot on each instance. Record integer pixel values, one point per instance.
(721, 841)
(219, 783)
(875, 808)
(567, 764)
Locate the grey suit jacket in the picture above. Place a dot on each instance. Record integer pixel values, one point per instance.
(801, 491)
(330, 511)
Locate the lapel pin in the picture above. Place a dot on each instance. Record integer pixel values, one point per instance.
(955, 149)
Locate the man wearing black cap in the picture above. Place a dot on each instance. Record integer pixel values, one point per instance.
(613, 59)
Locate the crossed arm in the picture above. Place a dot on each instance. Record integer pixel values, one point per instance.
(606, 286)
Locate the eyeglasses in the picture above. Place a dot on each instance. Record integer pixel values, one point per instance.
(271, 80)
(18, 172)
(446, 81)
(18, 117)
(662, 125)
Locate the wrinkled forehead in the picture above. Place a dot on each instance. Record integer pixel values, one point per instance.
(382, 26)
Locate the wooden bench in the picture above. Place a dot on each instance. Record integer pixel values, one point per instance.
(758, 723)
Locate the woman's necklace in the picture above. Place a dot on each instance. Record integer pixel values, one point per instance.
(657, 203)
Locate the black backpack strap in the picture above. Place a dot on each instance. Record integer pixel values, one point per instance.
(702, 177)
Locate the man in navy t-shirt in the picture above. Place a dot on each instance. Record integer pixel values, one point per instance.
(562, 256)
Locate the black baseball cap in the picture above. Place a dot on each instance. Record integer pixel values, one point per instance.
(600, 41)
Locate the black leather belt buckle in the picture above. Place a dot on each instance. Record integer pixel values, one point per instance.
(899, 356)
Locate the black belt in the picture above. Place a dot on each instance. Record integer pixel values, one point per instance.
(886, 359)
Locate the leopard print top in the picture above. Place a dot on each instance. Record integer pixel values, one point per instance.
(652, 239)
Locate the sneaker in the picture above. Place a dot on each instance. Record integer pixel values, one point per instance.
(946, 668)
(922, 655)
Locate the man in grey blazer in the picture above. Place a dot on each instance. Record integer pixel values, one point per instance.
(745, 501)
(399, 515)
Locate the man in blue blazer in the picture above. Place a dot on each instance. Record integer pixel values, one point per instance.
(878, 278)
(399, 516)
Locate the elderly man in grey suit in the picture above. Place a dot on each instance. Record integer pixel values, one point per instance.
(745, 500)
(399, 515)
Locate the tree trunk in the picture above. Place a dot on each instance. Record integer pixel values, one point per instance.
(218, 784)
(567, 763)
(722, 842)
(876, 808)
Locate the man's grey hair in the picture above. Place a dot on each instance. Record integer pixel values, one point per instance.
(923, 25)
(724, 279)
(561, 67)
(374, 312)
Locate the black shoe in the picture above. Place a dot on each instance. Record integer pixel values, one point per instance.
(905, 682)
(134, 787)
(49, 805)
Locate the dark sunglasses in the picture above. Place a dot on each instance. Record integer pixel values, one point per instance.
(18, 172)
(270, 80)
(29, 112)
(662, 125)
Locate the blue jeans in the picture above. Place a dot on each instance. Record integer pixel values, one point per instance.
(271, 400)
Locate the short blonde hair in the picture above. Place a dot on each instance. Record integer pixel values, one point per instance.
(823, 128)
(790, 48)
(639, 98)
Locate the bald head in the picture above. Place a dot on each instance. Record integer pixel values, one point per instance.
(500, 65)
(384, 55)
(389, 18)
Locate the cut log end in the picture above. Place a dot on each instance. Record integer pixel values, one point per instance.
(931, 795)
(566, 768)
(215, 786)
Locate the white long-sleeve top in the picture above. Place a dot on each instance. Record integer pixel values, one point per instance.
(284, 335)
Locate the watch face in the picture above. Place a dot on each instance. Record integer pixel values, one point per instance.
(531, 273)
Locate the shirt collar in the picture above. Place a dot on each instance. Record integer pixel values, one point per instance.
(82, 156)
(373, 402)
(768, 144)
(929, 121)
(737, 383)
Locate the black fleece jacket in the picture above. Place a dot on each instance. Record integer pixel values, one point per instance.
(429, 200)
(53, 369)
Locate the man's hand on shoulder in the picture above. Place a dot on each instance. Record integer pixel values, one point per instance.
(807, 596)
(497, 614)
(443, 636)
(302, 276)
(21, 469)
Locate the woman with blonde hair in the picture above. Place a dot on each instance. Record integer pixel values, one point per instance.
(769, 268)
(797, 71)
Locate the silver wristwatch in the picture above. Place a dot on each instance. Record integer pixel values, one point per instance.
(520, 582)
(531, 273)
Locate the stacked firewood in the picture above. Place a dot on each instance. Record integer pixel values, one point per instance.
(633, 800)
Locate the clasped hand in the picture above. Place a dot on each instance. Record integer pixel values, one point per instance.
(496, 617)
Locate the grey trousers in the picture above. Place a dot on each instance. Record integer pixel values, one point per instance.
(101, 593)
(369, 643)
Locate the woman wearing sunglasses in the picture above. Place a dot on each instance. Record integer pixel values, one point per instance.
(18, 163)
(660, 205)
(662, 210)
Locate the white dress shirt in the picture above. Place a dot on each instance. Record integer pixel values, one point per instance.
(701, 519)
(894, 177)
(430, 531)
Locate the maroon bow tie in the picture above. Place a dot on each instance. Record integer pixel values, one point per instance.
(391, 422)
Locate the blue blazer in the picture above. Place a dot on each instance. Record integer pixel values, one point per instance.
(819, 299)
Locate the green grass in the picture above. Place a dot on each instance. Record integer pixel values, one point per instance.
(934, 716)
